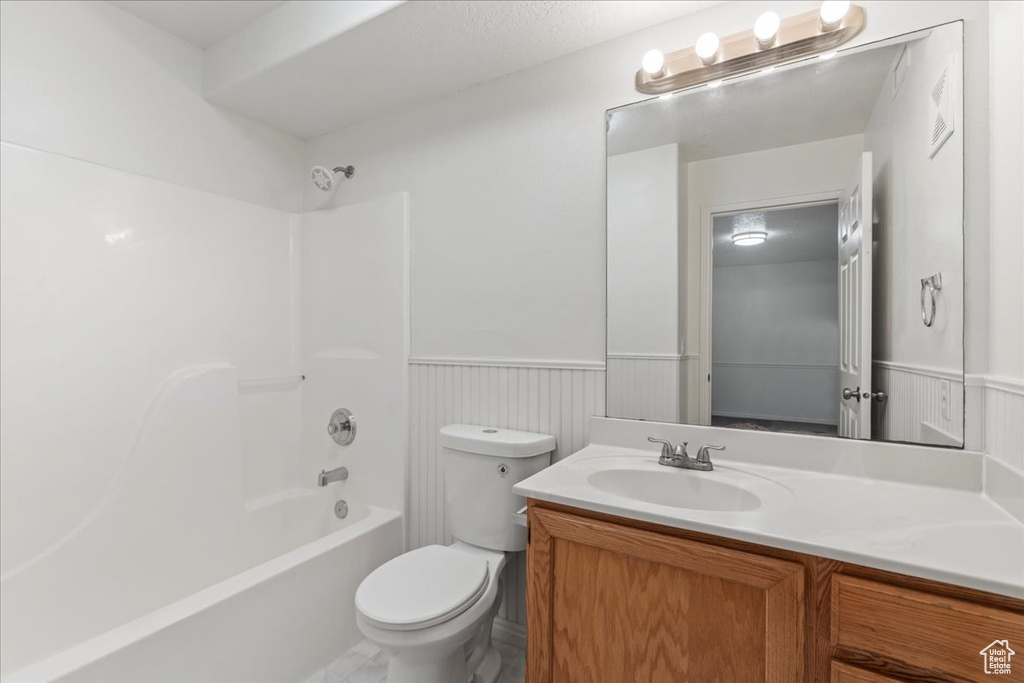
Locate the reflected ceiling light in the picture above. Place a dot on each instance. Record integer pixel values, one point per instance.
(715, 84)
(654, 63)
(706, 47)
(766, 28)
(828, 55)
(833, 12)
(749, 238)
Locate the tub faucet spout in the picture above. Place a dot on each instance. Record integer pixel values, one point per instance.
(327, 476)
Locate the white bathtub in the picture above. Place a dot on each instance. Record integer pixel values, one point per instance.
(277, 622)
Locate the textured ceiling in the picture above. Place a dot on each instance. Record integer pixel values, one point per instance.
(200, 22)
(428, 49)
(805, 233)
(814, 100)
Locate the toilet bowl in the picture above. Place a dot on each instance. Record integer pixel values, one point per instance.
(431, 609)
(432, 633)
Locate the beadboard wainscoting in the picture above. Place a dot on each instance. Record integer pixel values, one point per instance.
(1001, 403)
(647, 387)
(913, 410)
(554, 398)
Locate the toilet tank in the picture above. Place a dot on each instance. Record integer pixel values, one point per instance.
(481, 465)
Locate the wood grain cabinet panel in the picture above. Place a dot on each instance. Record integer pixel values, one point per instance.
(927, 631)
(845, 673)
(613, 603)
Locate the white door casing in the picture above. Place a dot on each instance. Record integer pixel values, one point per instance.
(855, 303)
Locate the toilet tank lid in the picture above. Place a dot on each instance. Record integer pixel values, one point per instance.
(504, 443)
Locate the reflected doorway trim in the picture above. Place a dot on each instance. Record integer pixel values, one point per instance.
(707, 212)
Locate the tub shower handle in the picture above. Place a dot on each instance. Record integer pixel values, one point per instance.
(342, 427)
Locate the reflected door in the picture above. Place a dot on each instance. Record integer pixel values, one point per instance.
(855, 303)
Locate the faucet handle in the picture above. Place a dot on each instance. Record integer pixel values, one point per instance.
(666, 446)
(704, 456)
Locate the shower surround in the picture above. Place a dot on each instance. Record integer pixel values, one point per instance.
(170, 360)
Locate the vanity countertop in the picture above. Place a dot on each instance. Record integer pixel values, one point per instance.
(953, 535)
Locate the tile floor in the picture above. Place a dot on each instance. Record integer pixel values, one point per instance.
(365, 663)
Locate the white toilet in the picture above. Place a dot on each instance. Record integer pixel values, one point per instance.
(431, 609)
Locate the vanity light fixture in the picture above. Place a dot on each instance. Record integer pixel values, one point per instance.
(772, 41)
(749, 238)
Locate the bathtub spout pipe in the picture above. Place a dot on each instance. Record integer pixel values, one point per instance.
(327, 476)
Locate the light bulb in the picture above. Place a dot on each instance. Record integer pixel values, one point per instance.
(832, 13)
(707, 47)
(765, 28)
(654, 63)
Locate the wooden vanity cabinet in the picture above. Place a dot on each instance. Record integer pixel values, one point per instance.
(616, 600)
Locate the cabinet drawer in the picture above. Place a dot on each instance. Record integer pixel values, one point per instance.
(845, 673)
(926, 631)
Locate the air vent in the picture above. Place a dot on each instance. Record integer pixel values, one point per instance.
(941, 121)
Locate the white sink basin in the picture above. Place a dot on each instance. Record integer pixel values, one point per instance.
(725, 489)
(677, 489)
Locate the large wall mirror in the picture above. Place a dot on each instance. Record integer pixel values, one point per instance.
(785, 250)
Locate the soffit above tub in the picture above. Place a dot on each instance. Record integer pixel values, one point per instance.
(199, 22)
(309, 68)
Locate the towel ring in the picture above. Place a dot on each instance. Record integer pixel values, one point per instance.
(931, 286)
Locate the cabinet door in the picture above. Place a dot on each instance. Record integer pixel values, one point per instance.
(612, 603)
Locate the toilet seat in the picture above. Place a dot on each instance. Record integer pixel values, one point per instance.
(422, 588)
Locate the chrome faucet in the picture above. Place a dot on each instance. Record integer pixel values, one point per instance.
(327, 476)
(677, 456)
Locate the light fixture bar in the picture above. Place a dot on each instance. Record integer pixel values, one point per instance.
(740, 53)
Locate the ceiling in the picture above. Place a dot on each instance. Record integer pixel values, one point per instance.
(812, 100)
(311, 67)
(199, 22)
(804, 233)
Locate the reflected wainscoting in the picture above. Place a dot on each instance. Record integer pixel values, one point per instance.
(914, 409)
(649, 387)
(554, 398)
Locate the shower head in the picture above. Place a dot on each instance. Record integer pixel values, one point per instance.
(323, 177)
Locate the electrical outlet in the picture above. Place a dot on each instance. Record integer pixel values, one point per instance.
(944, 397)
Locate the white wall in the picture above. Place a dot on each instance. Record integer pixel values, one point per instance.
(90, 81)
(1006, 248)
(507, 184)
(775, 341)
(918, 207)
(643, 252)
